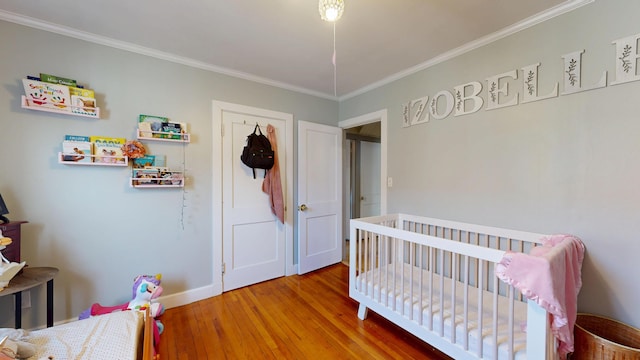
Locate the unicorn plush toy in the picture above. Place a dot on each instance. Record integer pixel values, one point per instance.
(146, 289)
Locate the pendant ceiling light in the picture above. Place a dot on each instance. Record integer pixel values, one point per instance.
(331, 10)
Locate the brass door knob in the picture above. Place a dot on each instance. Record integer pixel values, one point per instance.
(302, 207)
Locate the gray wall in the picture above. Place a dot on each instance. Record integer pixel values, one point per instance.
(563, 165)
(87, 221)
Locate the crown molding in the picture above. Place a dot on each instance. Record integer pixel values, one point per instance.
(122, 45)
(485, 40)
(101, 40)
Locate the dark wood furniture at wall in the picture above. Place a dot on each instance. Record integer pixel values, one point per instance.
(30, 278)
(12, 230)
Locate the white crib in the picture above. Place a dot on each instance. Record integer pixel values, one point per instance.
(435, 279)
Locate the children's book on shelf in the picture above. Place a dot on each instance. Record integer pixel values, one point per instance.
(57, 80)
(165, 175)
(145, 161)
(145, 129)
(146, 176)
(77, 138)
(155, 122)
(83, 105)
(76, 148)
(48, 95)
(170, 128)
(157, 175)
(108, 149)
(81, 92)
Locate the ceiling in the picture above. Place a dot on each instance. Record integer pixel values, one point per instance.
(284, 42)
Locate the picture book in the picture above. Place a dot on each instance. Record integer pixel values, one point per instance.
(108, 150)
(147, 176)
(83, 105)
(155, 123)
(47, 95)
(77, 138)
(57, 80)
(81, 92)
(145, 161)
(145, 129)
(163, 174)
(170, 128)
(76, 151)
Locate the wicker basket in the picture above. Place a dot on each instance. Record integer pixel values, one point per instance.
(598, 337)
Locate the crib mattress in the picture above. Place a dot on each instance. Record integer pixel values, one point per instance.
(112, 336)
(384, 285)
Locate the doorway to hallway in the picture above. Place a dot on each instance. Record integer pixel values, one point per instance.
(365, 170)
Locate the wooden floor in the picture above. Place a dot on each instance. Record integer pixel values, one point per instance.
(296, 317)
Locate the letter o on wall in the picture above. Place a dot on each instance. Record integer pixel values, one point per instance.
(448, 102)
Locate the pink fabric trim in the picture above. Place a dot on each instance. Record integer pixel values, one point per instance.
(272, 184)
(551, 276)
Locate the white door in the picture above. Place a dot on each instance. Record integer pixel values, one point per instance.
(319, 196)
(369, 178)
(253, 239)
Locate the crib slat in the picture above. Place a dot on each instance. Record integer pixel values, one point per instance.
(510, 322)
(465, 320)
(454, 276)
(411, 267)
(389, 247)
(432, 270)
(495, 318)
(480, 313)
(394, 271)
(441, 297)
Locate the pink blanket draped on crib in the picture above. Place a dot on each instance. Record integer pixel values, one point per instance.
(551, 276)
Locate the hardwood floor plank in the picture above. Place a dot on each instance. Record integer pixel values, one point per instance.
(296, 317)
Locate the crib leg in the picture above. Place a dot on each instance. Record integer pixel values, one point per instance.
(362, 312)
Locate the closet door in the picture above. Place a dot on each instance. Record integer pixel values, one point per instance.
(254, 241)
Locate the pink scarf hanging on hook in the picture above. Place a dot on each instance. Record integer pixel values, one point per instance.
(272, 184)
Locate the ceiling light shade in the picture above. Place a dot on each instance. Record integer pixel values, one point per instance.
(331, 10)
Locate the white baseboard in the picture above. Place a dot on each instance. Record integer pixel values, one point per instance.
(188, 297)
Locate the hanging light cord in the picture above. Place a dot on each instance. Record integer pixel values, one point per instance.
(335, 86)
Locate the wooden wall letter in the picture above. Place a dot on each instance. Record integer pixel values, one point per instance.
(573, 74)
(448, 101)
(462, 98)
(530, 84)
(626, 60)
(495, 89)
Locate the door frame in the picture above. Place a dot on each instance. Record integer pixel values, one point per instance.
(218, 107)
(381, 116)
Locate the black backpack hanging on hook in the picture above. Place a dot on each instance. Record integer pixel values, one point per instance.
(257, 154)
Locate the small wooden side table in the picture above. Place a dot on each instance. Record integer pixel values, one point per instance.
(30, 278)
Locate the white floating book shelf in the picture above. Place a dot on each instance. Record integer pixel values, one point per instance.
(157, 177)
(81, 111)
(155, 185)
(163, 136)
(92, 160)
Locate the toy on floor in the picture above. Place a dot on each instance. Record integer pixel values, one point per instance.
(146, 289)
